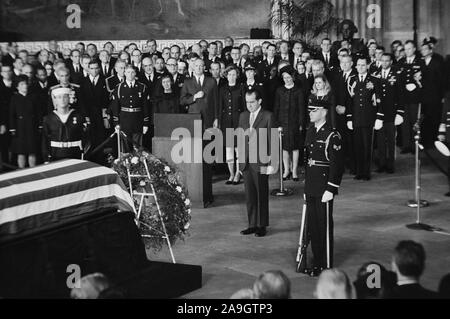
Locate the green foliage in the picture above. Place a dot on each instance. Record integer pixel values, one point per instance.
(172, 197)
(306, 19)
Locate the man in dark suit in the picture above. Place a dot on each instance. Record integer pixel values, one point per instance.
(9, 58)
(75, 69)
(363, 117)
(106, 65)
(285, 55)
(339, 82)
(6, 91)
(258, 125)
(95, 99)
(211, 55)
(408, 263)
(329, 58)
(433, 91)
(200, 94)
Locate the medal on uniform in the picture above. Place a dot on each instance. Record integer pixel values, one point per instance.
(74, 120)
(140, 95)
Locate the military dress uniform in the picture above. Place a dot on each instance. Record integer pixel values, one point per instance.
(63, 139)
(130, 107)
(390, 107)
(363, 112)
(324, 162)
(410, 97)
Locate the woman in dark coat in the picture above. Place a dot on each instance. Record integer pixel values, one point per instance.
(289, 114)
(231, 105)
(166, 99)
(25, 121)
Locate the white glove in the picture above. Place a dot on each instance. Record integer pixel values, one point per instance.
(269, 170)
(340, 110)
(378, 125)
(145, 130)
(216, 123)
(199, 95)
(350, 125)
(398, 120)
(2, 129)
(327, 196)
(106, 123)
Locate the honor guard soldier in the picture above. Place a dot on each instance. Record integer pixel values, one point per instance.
(64, 130)
(324, 162)
(130, 107)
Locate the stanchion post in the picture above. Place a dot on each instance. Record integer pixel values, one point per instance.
(281, 191)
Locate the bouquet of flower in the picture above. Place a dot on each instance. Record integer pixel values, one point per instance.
(171, 195)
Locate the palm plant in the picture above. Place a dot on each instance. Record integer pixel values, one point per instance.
(304, 20)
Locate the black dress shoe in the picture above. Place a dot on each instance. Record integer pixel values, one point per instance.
(390, 171)
(405, 151)
(381, 170)
(287, 177)
(366, 178)
(261, 232)
(358, 177)
(448, 194)
(229, 182)
(295, 179)
(249, 231)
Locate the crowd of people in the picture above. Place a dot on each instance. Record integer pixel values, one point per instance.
(372, 281)
(373, 95)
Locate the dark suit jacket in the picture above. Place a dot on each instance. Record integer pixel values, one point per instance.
(206, 106)
(75, 77)
(110, 70)
(334, 61)
(264, 120)
(94, 99)
(412, 291)
(433, 81)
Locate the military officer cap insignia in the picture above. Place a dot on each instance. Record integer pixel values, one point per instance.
(249, 66)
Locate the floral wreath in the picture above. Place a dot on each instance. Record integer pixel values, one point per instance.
(172, 197)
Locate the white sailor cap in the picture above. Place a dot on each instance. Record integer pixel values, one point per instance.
(60, 91)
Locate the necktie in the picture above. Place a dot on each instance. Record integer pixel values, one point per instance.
(361, 78)
(345, 77)
(198, 82)
(252, 119)
(106, 70)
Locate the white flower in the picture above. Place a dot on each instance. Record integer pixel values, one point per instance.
(179, 189)
(142, 183)
(187, 226)
(135, 160)
(116, 161)
(189, 211)
(167, 169)
(187, 202)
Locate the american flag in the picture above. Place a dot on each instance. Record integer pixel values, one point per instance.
(50, 195)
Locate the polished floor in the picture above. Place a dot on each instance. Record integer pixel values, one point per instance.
(370, 218)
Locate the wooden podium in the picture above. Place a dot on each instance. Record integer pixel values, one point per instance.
(196, 175)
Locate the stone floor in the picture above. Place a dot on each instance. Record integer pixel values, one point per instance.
(370, 218)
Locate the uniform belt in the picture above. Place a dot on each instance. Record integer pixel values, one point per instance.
(312, 162)
(131, 110)
(66, 144)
